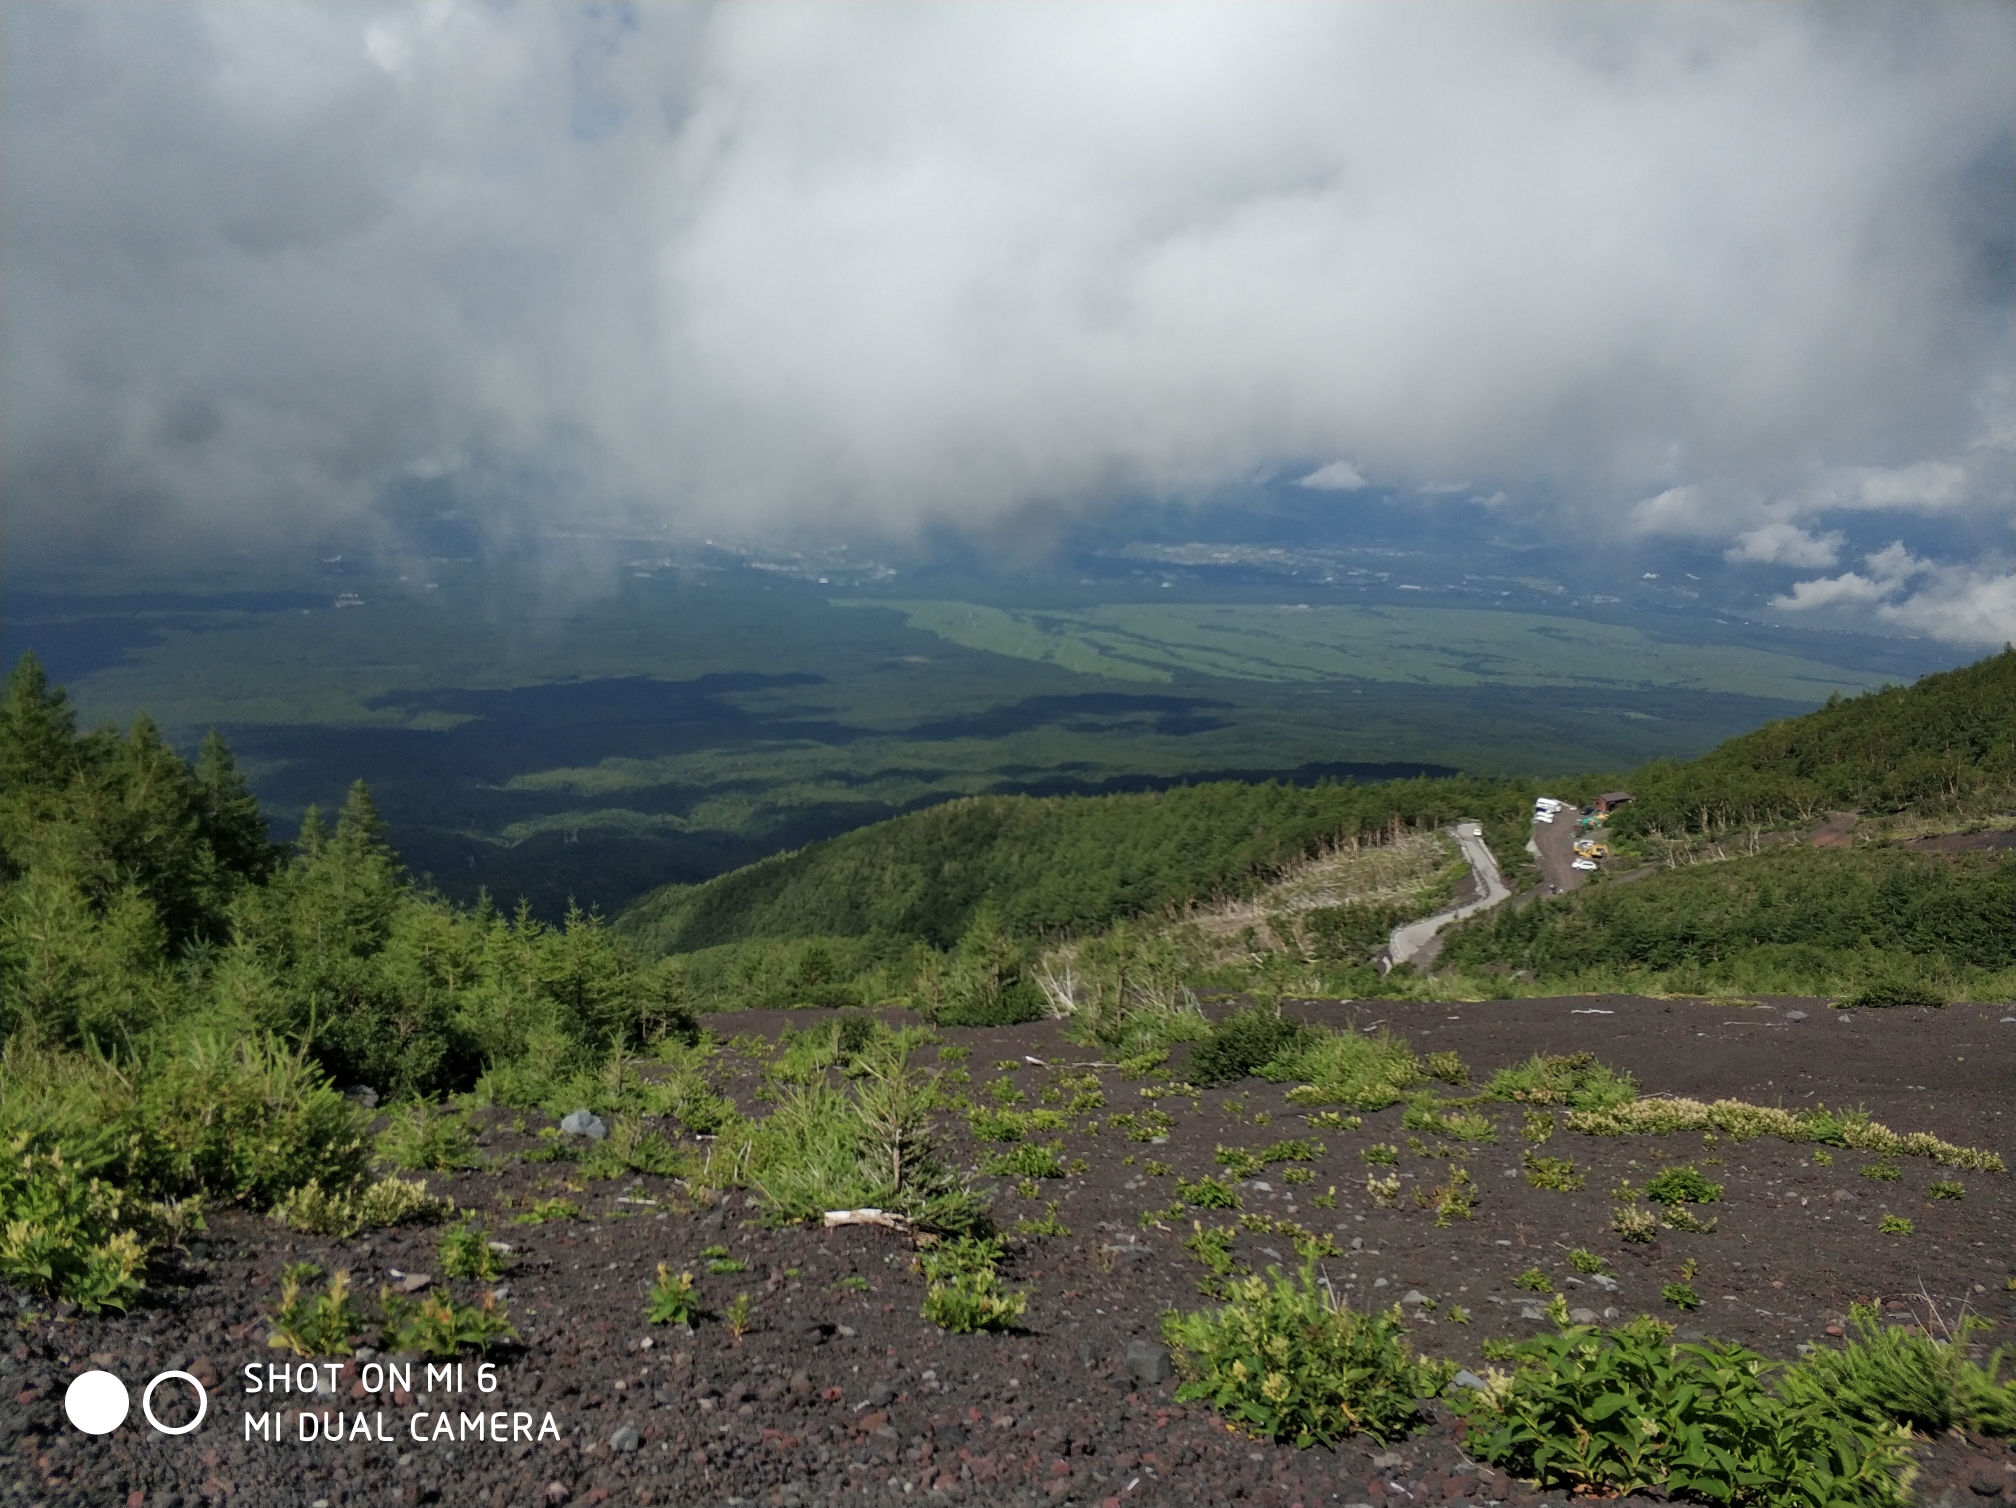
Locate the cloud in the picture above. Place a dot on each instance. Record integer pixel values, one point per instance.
(1785, 544)
(888, 267)
(1338, 476)
(1956, 603)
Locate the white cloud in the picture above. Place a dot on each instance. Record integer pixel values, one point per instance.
(1956, 603)
(1338, 476)
(1927, 485)
(766, 263)
(1785, 544)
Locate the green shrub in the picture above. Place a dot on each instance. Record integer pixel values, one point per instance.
(439, 1328)
(1682, 1183)
(1584, 1260)
(1533, 1280)
(1609, 1413)
(389, 1201)
(672, 1300)
(1243, 1043)
(1888, 1375)
(1894, 991)
(66, 1236)
(466, 1252)
(963, 1291)
(1556, 1173)
(1025, 1161)
(1680, 1296)
(1447, 1067)
(546, 1211)
(1364, 1072)
(1381, 1154)
(1207, 1193)
(421, 1139)
(1284, 1359)
(1573, 1079)
(315, 1324)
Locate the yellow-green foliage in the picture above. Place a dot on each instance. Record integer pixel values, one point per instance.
(1284, 1359)
(66, 1236)
(389, 1201)
(1744, 1121)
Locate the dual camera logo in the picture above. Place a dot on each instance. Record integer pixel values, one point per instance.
(97, 1402)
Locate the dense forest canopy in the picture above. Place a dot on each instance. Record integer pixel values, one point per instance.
(1945, 743)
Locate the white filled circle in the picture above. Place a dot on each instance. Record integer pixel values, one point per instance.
(202, 1403)
(96, 1402)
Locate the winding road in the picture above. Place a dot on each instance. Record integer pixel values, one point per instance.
(1409, 941)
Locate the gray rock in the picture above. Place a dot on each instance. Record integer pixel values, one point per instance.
(362, 1095)
(1584, 1316)
(1378, 1282)
(1413, 1296)
(585, 1123)
(1149, 1362)
(1604, 1281)
(1532, 1312)
(1468, 1379)
(1795, 1015)
(1386, 1460)
(625, 1438)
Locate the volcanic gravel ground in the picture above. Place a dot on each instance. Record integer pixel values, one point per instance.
(841, 1393)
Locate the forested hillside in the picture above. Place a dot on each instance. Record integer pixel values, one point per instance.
(1941, 745)
(1046, 867)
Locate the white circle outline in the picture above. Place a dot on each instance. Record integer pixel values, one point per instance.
(202, 1403)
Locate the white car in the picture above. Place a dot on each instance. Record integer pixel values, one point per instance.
(1583, 864)
(1547, 817)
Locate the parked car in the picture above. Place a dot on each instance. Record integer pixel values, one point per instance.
(1584, 864)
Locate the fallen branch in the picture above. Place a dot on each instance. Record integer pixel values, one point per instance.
(866, 1217)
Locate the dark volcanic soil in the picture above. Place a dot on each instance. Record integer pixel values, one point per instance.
(842, 1393)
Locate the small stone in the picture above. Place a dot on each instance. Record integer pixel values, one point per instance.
(1532, 1312)
(362, 1095)
(1386, 1460)
(1795, 1015)
(845, 1332)
(1379, 1283)
(1983, 1485)
(585, 1123)
(1468, 1379)
(415, 1282)
(1604, 1281)
(1413, 1296)
(1149, 1362)
(625, 1438)
(1584, 1316)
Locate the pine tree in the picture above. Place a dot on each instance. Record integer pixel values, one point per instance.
(229, 812)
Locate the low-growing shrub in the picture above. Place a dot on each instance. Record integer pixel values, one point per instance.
(66, 1236)
(1286, 1360)
(466, 1252)
(1381, 1154)
(421, 1139)
(1680, 1296)
(389, 1201)
(1741, 1120)
(1384, 1192)
(315, 1324)
(1634, 1224)
(1556, 1173)
(1025, 1161)
(1896, 1225)
(1207, 1193)
(672, 1299)
(1573, 1079)
(1894, 992)
(1245, 1042)
(1584, 1260)
(1447, 1067)
(1533, 1280)
(963, 1292)
(1608, 1413)
(1887, 1374)
(1681, 1183)
(548, 1210)
(1364, 1072)
(441, 1329)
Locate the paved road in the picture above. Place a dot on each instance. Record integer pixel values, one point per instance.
(1409, 941)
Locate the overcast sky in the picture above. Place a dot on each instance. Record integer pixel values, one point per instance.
(1740, 274)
